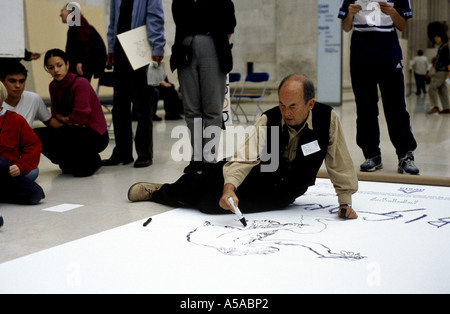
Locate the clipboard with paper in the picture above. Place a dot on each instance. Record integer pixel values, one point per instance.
(137, 47)
(371, 13)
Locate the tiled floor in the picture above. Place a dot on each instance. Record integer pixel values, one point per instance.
(30, 229)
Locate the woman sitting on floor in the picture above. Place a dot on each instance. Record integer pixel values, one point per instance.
(75, 146)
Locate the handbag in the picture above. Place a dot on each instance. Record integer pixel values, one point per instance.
(155, 74)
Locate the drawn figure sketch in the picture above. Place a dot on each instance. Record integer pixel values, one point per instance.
(262, 237)
(142, 49)
(136, 46)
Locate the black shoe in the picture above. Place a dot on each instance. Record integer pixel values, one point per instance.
(114, 161)
(65, 169)
(1, 221)
(194, 166)
(87, 171)
(142, 163)
(172, 117)
(156, 118)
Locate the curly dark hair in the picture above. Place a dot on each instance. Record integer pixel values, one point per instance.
(437, 29)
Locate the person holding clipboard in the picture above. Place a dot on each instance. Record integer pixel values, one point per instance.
(376, 60)
(130, 86)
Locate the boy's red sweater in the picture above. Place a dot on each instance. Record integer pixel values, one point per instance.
(18, 142)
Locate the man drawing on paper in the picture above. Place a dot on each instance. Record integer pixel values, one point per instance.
(299, 134)
(131, 86)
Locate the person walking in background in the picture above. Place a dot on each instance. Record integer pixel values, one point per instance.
(420, 66)
(83, 48)
(83, 134)
(441, 71)
(375, 60)
(130, 86)
(202, 55)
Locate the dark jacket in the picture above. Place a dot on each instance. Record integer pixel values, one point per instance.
(443, 58)
(207, 17)
(78, 48)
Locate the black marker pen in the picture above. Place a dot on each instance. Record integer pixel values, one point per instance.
(147, 222)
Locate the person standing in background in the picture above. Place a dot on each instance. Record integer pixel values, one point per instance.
(130, 86)
(375, 60)
(438, 85)
(420, 67)
(79, 48)
(202, 55)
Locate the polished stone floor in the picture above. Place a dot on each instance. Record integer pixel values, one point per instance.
(103, 196)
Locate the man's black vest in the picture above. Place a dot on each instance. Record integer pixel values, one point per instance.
(292, 179)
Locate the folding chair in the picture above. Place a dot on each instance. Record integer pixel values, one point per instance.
(254, 88)
(233, 79)
(107, 79)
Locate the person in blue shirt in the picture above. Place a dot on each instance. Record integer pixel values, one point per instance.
(130, 86)
(376, 60)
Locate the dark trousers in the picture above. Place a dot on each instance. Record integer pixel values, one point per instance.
(172, 103)
(75, 149)
(203, 191)
(130, 87)
(420, 83)
(365, 79)
(18, 190)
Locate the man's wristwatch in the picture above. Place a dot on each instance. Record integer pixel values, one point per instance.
(348, 205)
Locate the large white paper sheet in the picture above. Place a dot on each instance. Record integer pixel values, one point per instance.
(137, 47)
(399, 244)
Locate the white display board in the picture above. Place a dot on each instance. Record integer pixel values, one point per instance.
(399, 244)
(329, 53)
(12, 30)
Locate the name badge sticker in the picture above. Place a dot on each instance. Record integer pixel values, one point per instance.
(310, 148)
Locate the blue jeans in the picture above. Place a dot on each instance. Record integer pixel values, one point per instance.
(33, 175)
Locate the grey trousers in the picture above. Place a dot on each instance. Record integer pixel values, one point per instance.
(203, 92)
(438, 89)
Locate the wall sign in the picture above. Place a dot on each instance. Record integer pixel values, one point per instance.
(329, 54)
